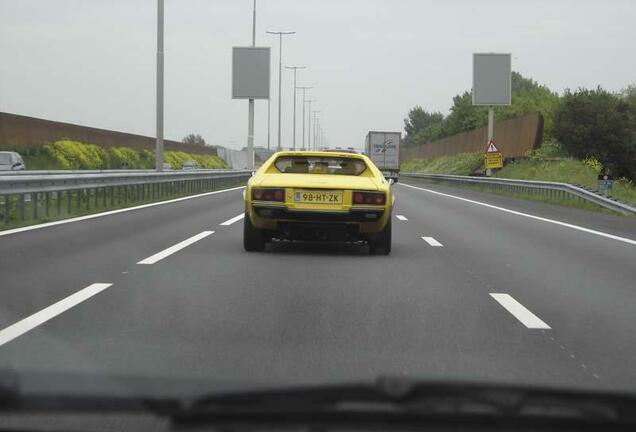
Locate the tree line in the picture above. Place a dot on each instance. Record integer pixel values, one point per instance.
(587, 123)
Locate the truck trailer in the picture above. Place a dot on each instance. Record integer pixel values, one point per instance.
(383, 148)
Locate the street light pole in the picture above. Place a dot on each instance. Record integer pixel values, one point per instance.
(250, 114)
(295, 68)
(159, 123)
(304, 100)
(315, 124)
(280, 76)
(309, 101)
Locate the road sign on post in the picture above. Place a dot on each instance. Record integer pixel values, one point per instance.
(250, 80)
(492, 86)
(250, 72)
(492, 156)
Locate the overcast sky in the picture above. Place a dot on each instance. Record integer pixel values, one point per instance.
(92, 62)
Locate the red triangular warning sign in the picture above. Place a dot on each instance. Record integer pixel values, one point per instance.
(492, 148)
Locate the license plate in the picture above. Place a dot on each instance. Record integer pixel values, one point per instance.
(318, 197)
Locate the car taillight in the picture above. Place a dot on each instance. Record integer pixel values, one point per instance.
(371, 198)
(277, 195)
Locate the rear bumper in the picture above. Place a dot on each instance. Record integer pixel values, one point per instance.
(355, 224)
(355, 215)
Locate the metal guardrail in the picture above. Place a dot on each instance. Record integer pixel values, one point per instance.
(546, 188)
(64, 194)
(121, 171)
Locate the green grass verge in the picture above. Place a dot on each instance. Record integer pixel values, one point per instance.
(67, 154)
(567, 171)
(548, 163)
(461, 164)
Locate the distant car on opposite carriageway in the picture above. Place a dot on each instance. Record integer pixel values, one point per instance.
(11, 161)
(190, 165)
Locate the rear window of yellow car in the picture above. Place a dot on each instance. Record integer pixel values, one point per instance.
(320, 165)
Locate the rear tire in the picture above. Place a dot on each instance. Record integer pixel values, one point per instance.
(381, 244)
(253, 238)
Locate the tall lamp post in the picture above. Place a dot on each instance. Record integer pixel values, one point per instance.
(159, 124)
(250, 114)
(309, 101)
(315, 114)
(295, 68)
(304, 88)
(280, 74)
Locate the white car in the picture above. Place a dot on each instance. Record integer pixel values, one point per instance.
(190, 165)
(11, 161)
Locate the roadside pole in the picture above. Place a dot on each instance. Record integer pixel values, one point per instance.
(295, 68)
(250, 114)
(309, 101)
(309, 127)
(159, 124)
(304, 88)
(491, 132)
(294, 140)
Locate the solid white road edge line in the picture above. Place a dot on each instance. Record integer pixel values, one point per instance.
(539, 218)
(519, 311)
(172, 249)
(38, 318)
(402, 218)
(234, 219)
(431, 241)
(111, 212)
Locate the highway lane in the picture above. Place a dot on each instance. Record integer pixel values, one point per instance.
(42, 265)
(580, 283)
(322, 313)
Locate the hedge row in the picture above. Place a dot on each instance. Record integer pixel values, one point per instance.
(67, 154)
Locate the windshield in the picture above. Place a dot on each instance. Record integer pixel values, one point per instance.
(279, 193)
(320, 165)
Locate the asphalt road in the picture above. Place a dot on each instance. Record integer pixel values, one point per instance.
(470, 292)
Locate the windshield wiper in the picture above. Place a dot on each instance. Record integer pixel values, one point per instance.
(389, 400)
(411, 401)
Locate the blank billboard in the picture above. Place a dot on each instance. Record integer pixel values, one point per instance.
(491, 79)
(250, 72)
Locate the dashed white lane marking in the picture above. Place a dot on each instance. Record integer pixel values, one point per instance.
(234, 219)
(431, 241)
(112, 212)
(172, 249)
(519, 311)
(38, 318)
(542, 219)
(402, 218)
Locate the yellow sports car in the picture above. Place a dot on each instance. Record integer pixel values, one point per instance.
(318, 196)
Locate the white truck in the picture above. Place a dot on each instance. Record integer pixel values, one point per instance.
(383, 148)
